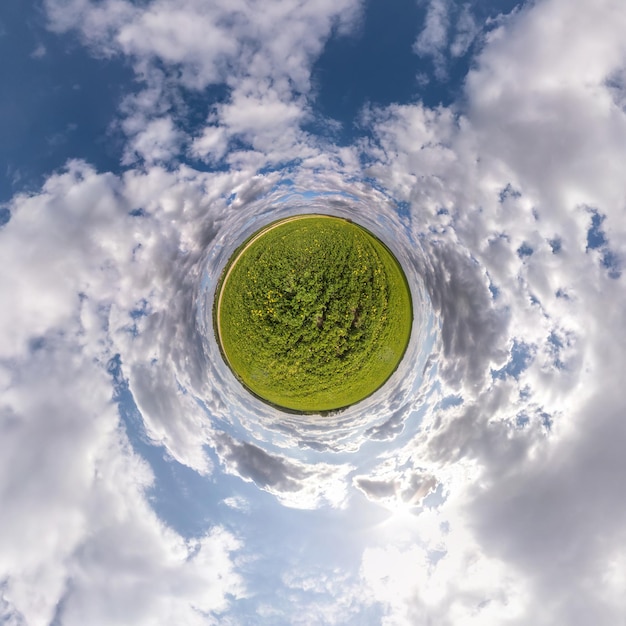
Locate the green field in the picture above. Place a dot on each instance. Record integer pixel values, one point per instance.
(312, 313)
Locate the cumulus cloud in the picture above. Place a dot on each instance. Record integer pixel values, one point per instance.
(539, 139)
(450, 30)
(433, 38)
(466, 31)
(295, 484)
(77, 527)
(263, 57)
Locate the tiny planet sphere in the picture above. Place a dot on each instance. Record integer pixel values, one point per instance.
(312, 313)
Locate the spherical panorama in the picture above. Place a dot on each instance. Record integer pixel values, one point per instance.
(312, 313)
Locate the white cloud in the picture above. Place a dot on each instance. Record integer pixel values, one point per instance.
(548, 98)
(211, 144)
(81, 218)
(466, 31)
(295, 484)
(78, 537)
(157, 141)
(324, 596)
(540, 144)
(417, 587)
(433, 38)
(261, 118)
(451, 29)
(151, 576)
(54, 423)
(264, 57)
(223, 42)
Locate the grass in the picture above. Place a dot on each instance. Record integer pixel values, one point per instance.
(313, 313)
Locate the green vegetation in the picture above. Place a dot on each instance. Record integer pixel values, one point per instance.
(313, 313)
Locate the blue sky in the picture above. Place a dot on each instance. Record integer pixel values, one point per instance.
(59, 101)
(142, 142)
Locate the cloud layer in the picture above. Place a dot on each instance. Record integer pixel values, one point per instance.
(480, 486)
